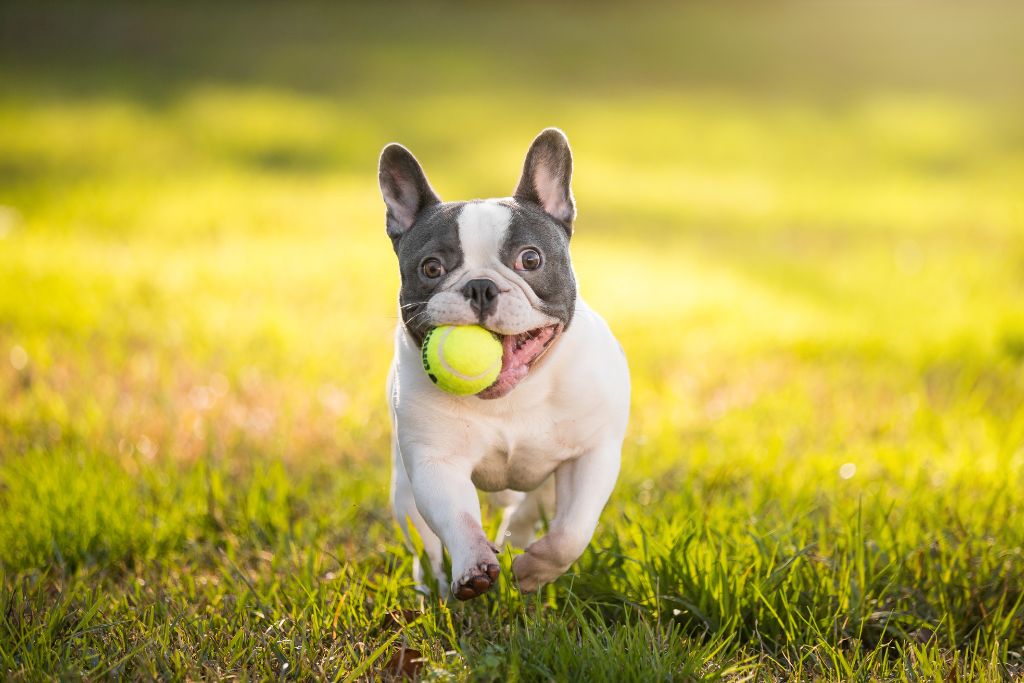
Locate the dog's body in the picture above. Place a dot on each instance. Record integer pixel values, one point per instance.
(560, 405)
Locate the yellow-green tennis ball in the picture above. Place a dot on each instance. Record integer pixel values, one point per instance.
(462, 359)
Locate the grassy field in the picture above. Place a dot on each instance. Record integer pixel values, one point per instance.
(803, 221)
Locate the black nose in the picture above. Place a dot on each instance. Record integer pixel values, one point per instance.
(482, 295)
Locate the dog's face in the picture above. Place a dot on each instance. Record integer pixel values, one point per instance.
(499, 263)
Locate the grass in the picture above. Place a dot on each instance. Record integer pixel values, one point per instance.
(803, 222)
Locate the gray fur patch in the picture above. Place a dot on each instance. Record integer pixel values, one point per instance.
(554, 282)
(435, 233)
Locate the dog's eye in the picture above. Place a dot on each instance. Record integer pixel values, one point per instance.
(432, 269)
(528, 259)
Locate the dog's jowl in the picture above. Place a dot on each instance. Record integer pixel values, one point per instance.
(545, 438)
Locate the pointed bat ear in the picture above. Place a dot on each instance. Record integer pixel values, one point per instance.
(405, 189)
(547, 174)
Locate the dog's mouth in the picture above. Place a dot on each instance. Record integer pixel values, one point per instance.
(519, 353)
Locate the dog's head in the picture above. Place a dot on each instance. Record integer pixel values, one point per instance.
(500, 263)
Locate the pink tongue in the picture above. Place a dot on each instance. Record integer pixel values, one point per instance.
(515, 363)
(513, 370)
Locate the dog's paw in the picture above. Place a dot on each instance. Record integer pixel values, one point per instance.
(531, 573)
(476, 581)
(545, 560)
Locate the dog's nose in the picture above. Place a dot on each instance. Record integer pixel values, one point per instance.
(482, 295)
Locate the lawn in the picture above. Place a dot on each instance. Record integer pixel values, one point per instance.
(804, 222)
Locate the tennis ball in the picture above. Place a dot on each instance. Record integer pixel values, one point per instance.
(462, 359)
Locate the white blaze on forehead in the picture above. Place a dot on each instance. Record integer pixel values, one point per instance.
(482, 230)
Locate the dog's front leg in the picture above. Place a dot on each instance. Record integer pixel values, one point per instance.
(448, 501)
(582, 488)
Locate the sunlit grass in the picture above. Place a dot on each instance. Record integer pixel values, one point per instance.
(819, 286)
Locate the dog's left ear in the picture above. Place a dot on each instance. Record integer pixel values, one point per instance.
(547, 174)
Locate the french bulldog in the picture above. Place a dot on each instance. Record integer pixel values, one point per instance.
(545, 438)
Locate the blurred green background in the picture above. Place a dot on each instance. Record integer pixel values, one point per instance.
(804, 221)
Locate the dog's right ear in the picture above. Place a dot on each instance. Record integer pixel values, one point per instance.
(405, 188)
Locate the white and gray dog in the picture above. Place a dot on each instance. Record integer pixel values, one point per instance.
(560, 405)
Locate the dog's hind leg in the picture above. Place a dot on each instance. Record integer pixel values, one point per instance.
(520, 518)
(509, 501)
(403, 504)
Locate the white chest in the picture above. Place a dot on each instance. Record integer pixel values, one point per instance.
(521, 456)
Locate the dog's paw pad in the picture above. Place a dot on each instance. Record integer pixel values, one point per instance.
(477, 581)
